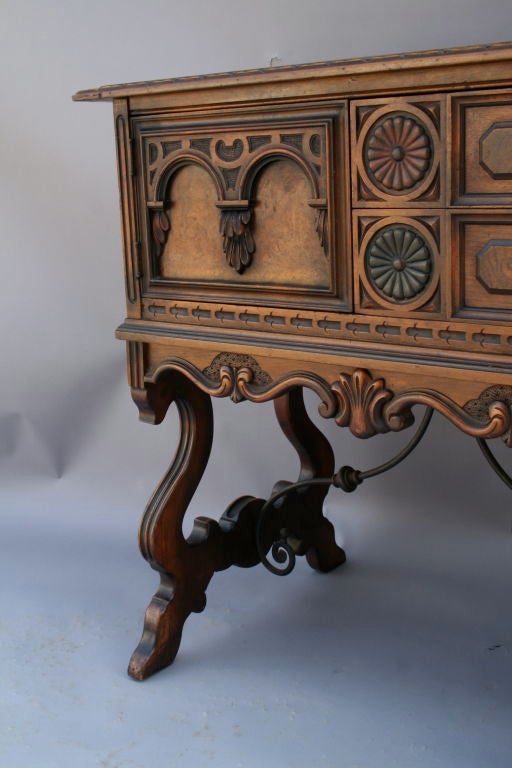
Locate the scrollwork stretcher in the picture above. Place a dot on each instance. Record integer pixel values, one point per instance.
(291, 522)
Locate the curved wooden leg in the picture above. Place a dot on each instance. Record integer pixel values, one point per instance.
(186, 567)
(316, 460)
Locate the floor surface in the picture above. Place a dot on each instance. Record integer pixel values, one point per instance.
(401, 658)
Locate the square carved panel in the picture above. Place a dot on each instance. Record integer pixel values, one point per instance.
(398, 152)
(482, 149)
(398, 264)
(483, 248)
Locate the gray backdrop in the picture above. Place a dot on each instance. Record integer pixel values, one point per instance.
(403, 658)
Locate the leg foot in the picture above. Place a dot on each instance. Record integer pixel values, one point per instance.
(324, 554)
(161, 637)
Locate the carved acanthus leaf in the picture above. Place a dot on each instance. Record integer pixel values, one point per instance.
(321, 227)
(160, 226)
(238, 242)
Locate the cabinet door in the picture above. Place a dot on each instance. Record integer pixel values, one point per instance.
(246, 208)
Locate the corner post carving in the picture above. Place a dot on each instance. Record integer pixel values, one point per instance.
(235, 228)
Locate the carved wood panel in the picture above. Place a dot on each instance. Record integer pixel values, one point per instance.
(483, 286)
(266, 186)
(397, 152)
(129, 220)
(482, 148)
(398, 262)
(243, 224)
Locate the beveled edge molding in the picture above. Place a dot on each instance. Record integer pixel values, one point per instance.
(349, 68)
(358, 400)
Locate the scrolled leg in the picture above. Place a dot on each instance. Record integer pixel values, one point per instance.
(185, 567)
(316, 460)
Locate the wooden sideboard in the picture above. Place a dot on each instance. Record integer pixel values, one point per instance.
(344, 227)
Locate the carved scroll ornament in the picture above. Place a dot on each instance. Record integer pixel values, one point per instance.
(356, 400)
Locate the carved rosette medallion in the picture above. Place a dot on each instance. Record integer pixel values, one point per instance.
(397, 153)
(398, 263)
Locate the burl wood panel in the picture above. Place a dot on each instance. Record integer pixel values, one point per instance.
(193, 250)
(289, 252)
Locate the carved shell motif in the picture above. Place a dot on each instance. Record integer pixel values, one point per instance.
(361, 399)
(397, 153)
(398, 263)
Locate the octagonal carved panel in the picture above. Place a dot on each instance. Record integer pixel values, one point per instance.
(496, 151)
(494, 266)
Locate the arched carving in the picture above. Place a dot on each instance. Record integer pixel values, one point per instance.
(270, 155)
(179, 160)
(234, 161)
(290, 229)
(187, 217)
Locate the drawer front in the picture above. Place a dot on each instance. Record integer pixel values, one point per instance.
(398, 192)
(399, 265)
(398, 150)
(246, 209)
(484, 275)
(482, 149)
